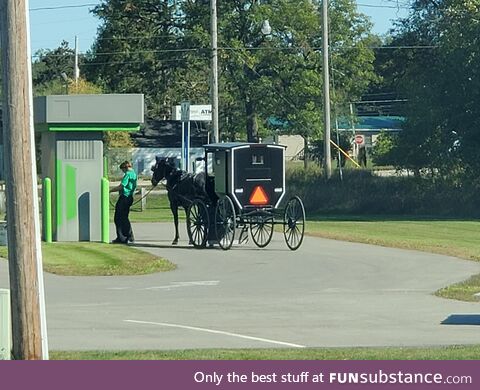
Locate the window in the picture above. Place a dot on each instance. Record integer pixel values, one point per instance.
(257, 159)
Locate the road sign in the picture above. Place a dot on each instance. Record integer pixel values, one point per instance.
(359, 139)
(198, 112)
(185, 111)
(258, 197)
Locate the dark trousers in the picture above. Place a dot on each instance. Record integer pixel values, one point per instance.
(122, 223)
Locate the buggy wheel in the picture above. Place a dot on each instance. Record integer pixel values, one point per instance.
(197, 223)
(261, 228)
(294, 223)
(225, 222)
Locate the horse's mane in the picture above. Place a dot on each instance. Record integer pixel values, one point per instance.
(179, 181)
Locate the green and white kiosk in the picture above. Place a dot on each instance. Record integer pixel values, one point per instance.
(76, 200)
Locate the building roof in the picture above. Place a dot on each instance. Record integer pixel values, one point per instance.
(373, 123)
(362, 123)
(168, 134)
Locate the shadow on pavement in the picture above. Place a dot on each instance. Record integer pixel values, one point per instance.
(462, 319)
(168, 245)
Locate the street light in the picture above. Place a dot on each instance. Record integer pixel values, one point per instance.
(266, 28)
(66, 79)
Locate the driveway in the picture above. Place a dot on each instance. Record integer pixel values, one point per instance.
(326, 294)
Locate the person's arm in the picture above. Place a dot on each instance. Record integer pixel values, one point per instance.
(122, 184)
(117, 188)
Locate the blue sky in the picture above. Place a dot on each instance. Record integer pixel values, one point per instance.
(50, 26)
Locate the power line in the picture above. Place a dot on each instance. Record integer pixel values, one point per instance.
(136, 37)
(62, 21)
(383, 6)
(161, 62)
(404, 47)
(63, 7)
(124, 52)
(380, 101)
(60, 7)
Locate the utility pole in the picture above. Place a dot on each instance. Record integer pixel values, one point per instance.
(24, 251)
(214, 92)
(355, 148)
(326, 91)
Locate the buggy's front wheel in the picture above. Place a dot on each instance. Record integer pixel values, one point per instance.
(198, 223)
(225, 222)
(294, 223)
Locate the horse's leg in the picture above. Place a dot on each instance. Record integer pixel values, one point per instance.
(174, 208)
(190, 241)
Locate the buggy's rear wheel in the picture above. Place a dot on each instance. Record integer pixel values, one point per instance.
(198, 223)
(225, 222)
(294, 223)
(261, 228)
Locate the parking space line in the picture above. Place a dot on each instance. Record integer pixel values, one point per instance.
(184, 284)
(217, 332)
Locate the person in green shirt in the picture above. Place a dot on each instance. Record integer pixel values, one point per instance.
(126, 189)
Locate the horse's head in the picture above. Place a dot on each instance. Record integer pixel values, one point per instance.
(161, 169)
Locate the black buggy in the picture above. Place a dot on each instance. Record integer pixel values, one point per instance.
(245, 184)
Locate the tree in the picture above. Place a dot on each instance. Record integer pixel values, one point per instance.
(383, 152)
(48, 80)
(280, 75)
(49, 65)
(437, 72)
(142, 48)
(53, 73)
(166, 56)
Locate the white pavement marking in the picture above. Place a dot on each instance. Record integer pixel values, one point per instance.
(172, 285)
(241, 336)
(184, 284)
(118, 288)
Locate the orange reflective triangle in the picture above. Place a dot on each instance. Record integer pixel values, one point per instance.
(258, 197)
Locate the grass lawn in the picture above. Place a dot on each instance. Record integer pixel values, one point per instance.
(90, 258)
(458, 238)
(410, 353)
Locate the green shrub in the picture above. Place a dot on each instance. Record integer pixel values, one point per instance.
(362, 193)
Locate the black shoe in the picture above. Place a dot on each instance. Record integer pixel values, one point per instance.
(117, 241)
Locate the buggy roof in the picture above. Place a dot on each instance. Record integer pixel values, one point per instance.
(233, 145)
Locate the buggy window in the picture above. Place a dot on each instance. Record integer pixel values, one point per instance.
(257, 159)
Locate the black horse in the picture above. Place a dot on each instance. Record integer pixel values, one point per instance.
(182, 187)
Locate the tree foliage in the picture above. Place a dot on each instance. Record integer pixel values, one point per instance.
(383, 152)
(52, 73)
(440, 77)
(140, 49)
(47, 72)
(50, 64)
(162, 49)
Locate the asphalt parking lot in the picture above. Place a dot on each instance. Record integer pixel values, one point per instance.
(328, 293)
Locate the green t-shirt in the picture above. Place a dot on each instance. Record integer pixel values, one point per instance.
(129, 183)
